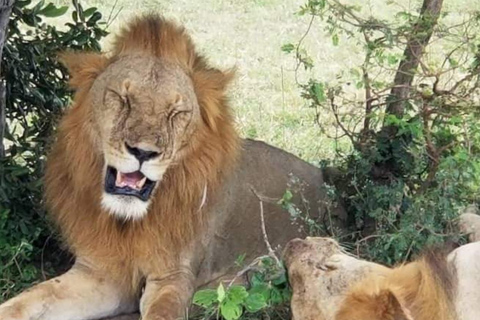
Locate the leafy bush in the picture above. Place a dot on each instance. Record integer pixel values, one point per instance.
(414, 157)
(36, 93)
(267, 291)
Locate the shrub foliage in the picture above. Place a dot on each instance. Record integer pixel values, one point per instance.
(408, 110)
(36, 93)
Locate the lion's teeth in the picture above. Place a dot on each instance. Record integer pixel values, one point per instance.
(134, 180)
(141, 183)
(118, 180)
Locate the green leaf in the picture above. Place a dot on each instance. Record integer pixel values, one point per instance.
(258, 278)
(20, 171)
(335, 39)
(255, 302)
(262, 289)
(230, 310)
(280, 280)
(81, 16)
(392, 60)
(355, 72)
(288, 48)
(23, 227)
(276, 296)
(237, 294)
(321, 4)
(455, 120)
(319, 92)
(221, 293)
(38, 7)
(240, 259)
(286, 294)
(94, 18)
(22, 4)
(87, 13)
(287, 196)
(82, 39)
(453, 62)
(205, 298)
(51, 11)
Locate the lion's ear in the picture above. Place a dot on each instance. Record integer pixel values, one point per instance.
(391, 307)
(83, 67)
(210, 86)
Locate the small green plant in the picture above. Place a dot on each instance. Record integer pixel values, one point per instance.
(268, 288)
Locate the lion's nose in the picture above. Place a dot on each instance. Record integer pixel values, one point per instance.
(140, 154)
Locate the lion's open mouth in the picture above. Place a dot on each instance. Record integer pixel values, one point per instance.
(128, 184)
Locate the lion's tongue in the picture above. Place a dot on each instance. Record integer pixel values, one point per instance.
(134, 180)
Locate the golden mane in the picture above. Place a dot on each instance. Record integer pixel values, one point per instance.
(74, 185)
(421, 290)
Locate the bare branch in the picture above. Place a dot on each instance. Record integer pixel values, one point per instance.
(339, 122)
(271, 252)
(412, 55)
(250, 267)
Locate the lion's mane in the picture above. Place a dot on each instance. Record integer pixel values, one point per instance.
(73, 174)
(421, 290)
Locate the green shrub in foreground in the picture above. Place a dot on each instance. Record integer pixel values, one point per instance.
(36, 93)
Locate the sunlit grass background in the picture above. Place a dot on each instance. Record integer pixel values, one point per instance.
(248, 34)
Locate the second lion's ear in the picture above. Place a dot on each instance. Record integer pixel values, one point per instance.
(83, 67)
(389, 304)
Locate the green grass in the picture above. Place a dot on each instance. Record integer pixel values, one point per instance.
(248, 34)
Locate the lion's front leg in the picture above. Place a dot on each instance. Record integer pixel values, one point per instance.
(167, 297)
(77, 295)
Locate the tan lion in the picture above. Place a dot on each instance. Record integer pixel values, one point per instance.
(150, 185)
(329, 284)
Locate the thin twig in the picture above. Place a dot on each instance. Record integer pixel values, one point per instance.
(297, 51)
(372, 236)
(110, 18)
(338, 121)
(248, 268)
(271, 252)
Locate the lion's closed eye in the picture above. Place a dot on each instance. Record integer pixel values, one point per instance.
(178, 107)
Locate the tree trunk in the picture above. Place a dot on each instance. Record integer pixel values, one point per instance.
(418, 40)
(5, 11)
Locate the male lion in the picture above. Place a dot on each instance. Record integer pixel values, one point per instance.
(151, 187)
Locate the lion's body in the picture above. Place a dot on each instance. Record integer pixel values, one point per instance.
(239, 231)
(331, 285)
(154, 114)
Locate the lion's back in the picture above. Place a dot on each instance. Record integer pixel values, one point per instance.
(264, 172)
